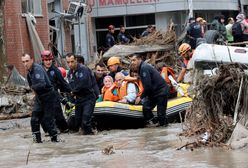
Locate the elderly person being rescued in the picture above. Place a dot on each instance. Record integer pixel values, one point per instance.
(109, 92)
(126, 91)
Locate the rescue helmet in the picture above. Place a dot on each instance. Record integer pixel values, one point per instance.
(110, 27)
(183, 49)
(63, 71)
(46, 55)
(113, 61)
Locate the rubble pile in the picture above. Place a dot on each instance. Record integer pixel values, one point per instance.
(156, 47)
(15, 102)
(217, 100)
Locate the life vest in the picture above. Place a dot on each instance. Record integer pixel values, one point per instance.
(185, 61)
(140, 87)
(166, 71)
(108, 95)
(122, 91)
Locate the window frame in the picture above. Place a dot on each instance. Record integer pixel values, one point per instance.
(32, 6)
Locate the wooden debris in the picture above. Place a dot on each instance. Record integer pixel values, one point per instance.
(108, 150)
(213, 107)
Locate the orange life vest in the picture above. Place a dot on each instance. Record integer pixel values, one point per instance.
(166, 71)
(140, 87)
(122, 91)
(185, 61)
(107, 94)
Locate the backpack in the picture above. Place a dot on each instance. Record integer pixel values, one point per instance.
(237, 29)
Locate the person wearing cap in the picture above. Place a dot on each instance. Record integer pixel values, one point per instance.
(110, 40)
(194, 31)
(114, 66)
(44, 100)
(186, 52)
(59, 84)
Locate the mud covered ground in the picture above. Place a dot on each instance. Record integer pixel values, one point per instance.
(150, 147)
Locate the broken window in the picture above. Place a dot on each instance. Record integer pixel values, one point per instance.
(32, 6)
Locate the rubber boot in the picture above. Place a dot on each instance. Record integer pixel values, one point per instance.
(36, 137)
(55, 138)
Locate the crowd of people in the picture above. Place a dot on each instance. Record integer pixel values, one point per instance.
(142, 84)
(233, 31)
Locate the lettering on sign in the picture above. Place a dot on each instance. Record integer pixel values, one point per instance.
(104, 3)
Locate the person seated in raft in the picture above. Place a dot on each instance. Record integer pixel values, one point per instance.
(165, 71)
(109, 92)
(126, 90)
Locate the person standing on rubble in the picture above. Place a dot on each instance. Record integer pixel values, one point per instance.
(155, 92)
(186, 52)
(45, 98)
(110, 40)
(82, 83)
(58, 83)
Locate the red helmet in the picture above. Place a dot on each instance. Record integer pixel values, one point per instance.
(63, 71)
(110, 27)
(46, 55)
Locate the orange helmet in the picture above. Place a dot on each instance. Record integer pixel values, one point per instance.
(183, 49)
(46, 55)
(113, 61)
(63, 71)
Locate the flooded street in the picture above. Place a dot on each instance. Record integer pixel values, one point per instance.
(150, 147)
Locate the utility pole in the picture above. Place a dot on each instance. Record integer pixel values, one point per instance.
(190, 3)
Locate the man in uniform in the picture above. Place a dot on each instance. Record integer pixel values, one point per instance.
(110, 40)
(45, 98)
(154, 94)
(58, 83)
(82, 84)
(121, 37)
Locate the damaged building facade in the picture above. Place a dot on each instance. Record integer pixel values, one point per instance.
(135, 15)
(31, 26)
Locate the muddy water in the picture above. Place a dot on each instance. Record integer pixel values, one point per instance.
(150, 147)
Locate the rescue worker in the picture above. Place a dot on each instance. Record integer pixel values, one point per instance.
(114, 66)
(59, 84)
(165, 71)
(121, 37)
(110, 40)
(155, 92)
(109, 91)
(81, 81)
(186, 52)
(126, 91)
(99, 75)
(194, 32)
(45, 98)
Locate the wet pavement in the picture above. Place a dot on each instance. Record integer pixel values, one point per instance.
(133, 148)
